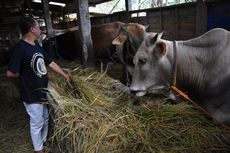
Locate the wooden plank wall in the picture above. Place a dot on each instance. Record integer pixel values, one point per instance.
(218, 15)
(178, 22)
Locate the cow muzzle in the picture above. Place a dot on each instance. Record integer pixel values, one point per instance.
(156, 89)
(137, 93)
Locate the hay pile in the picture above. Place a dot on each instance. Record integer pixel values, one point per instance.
(96, 117)
(14, 122)
(9, 92)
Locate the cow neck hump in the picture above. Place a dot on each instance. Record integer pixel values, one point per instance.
(190, 67)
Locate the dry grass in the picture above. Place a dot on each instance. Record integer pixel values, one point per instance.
(14, 124)
(96, 117)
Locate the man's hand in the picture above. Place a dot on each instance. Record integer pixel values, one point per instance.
(56, 68)
(10, 74)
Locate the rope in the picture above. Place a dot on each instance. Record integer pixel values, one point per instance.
(174, 67)
(181, 93)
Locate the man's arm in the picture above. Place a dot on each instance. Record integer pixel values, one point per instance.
(10, 74)
(58, 70)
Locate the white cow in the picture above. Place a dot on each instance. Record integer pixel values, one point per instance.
(201, 67)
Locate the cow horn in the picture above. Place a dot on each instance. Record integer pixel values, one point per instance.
(146, 27)
(152, 39)
(160, 34)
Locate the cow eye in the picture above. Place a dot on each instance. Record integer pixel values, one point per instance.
(142, 61)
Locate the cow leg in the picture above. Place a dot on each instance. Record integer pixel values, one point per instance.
(221, 115)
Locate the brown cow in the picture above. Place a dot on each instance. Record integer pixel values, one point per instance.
(117, 37)
(116, 41)
(129, 40)
(102, 36)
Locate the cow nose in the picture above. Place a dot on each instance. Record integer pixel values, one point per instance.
(133, 90)
(136, 91)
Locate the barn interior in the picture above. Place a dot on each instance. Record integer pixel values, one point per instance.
(14, 127)
(179, 22)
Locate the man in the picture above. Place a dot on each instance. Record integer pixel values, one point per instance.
(29, 62)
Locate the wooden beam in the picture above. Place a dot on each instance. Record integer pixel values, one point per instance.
(28, 4)
(161, 19)
(176, 37)
(63, 17)
(2, 11)
(23, 9)
(47, 17)
(201, 17)
(88, 57)
(128, 5)
(39, 6)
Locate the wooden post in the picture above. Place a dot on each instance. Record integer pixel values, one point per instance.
(85, 32)
(28, 4)
(201, 17)
(176, 24)
(161, 20)
(63, 18)
(128, 7)
(47, 17)
(23, 9)
(2, 11)
(147, 16)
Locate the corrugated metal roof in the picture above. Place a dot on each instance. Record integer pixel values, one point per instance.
(91, 2)
(14, 7)
(94, 2)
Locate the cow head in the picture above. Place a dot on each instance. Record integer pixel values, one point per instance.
(128, 41)
(133, 32)
(152, 73)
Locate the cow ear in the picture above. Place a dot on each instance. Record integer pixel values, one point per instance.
(160, 49)
(119, 40)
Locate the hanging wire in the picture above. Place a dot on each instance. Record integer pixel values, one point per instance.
(114, 7)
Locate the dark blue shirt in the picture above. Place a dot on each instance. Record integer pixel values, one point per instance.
(30, 62)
